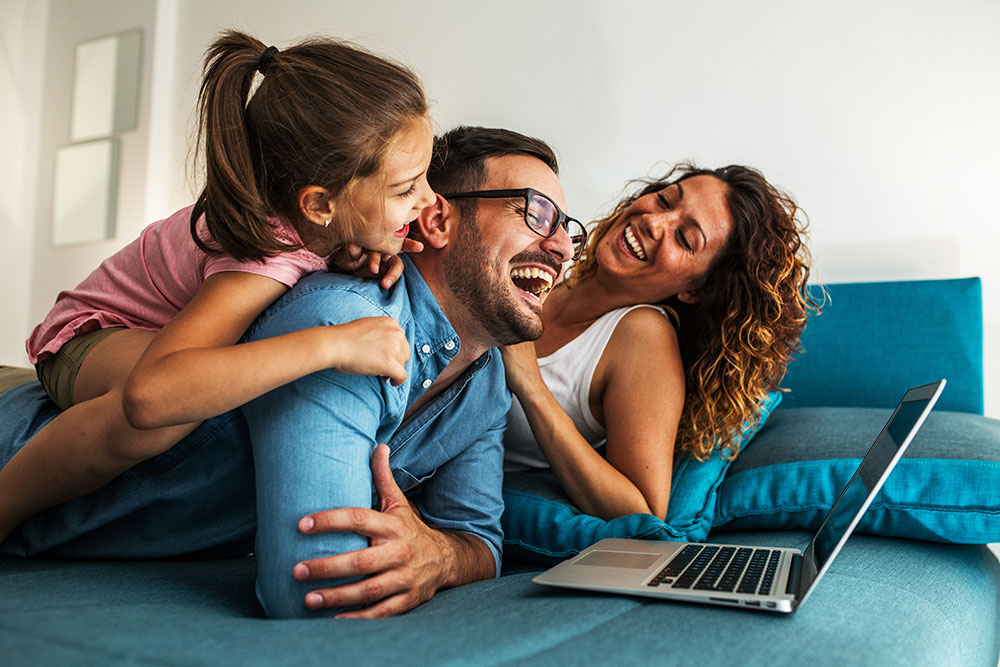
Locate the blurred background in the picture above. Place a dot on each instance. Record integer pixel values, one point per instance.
(879, 118)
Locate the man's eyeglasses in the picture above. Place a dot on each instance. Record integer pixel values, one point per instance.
(541, 214)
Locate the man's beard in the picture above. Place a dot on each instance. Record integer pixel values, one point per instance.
(485, 289)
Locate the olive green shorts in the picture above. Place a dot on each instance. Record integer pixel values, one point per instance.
(58, 372)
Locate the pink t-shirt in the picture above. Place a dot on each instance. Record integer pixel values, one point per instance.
(146, 283)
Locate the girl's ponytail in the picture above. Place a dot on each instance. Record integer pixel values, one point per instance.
(324, 113)
(235, 209)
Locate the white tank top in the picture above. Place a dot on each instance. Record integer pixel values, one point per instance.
(568, 373)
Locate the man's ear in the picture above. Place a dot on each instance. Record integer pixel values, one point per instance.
(437, 223)
(316, 205)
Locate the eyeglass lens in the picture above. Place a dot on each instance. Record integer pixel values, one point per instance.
(541, 215)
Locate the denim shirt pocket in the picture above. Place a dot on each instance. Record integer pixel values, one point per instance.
(408, 481)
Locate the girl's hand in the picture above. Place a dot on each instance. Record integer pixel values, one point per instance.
(352, 258)
(412, 246)
(521, 366)
(371, 346)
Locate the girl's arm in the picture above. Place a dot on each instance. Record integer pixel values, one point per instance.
(193, 369)
(640, 386)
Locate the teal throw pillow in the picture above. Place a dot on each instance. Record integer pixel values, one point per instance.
(541, 525)
(946, 488)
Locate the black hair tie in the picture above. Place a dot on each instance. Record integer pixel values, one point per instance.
(266, 58)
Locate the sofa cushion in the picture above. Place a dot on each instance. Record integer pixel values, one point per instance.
(884, 602)
(944, 489)
(873, 340)
(541, 525)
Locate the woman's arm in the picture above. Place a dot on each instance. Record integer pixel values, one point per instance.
(639, 387)
(193, 369)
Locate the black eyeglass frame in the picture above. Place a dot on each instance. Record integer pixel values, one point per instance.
(562, 220)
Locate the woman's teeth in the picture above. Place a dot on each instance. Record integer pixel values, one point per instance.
(532, 280)
(633, 243)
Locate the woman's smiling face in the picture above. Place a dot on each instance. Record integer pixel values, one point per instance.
(664, 243)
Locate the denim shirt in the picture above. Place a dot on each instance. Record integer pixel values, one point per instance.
(313, 438)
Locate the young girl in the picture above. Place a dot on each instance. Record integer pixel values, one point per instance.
(306, 151)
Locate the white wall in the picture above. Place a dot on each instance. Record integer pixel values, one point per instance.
(879, 117)
(38, 41)
(22, 54)
(69, 23)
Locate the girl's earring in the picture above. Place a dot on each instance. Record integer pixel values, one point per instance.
(327, 223)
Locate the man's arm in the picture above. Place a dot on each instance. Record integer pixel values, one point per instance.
(313, 441)
(407, 560)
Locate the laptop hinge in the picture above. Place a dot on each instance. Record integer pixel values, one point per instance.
(794, 576)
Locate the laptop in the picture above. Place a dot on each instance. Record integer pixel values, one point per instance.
(773, 579)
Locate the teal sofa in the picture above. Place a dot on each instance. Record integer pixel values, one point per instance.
(916, 587)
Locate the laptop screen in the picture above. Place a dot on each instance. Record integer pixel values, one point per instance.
(867, 477)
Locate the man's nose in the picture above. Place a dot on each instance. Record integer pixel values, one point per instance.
(559, 244)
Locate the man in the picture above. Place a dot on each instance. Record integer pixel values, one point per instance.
(478, 283)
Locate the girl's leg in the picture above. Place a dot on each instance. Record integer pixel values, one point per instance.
(88, 444)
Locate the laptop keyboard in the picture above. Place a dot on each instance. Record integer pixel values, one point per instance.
(714, 568)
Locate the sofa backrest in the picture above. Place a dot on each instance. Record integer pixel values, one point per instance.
(875, 340)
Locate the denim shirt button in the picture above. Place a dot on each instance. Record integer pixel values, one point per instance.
(450, 345)
(425, 384)
(425, 349)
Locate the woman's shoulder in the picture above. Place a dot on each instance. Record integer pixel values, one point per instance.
(644, 333)
(643, 351)
(647, 320)
(612, 319)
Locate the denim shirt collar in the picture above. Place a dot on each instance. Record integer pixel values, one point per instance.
(435, 343)
(433, 331)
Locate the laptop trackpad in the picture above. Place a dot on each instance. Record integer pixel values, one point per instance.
(619, 559)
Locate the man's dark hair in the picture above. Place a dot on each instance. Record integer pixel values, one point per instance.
(458, 163)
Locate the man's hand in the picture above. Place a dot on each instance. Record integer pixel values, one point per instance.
(408, 561)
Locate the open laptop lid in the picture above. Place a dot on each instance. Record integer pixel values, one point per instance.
(845, 514)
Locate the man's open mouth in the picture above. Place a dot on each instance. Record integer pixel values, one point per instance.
(532, 280)
(632, 243)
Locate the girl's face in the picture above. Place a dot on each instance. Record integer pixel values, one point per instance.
(389, 200)
(662, 244)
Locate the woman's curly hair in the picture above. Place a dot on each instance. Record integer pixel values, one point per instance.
(736, 340)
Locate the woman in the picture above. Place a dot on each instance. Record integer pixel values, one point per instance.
(682, 313)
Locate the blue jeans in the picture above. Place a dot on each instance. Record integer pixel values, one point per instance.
(195, 499)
